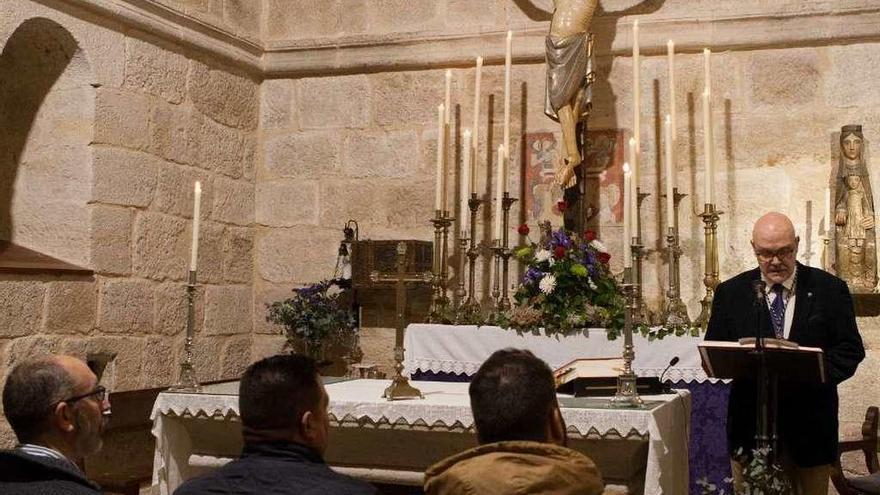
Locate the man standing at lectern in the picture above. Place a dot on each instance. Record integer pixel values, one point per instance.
(811, 308)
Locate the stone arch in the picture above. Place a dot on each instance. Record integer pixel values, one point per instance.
(47, 107)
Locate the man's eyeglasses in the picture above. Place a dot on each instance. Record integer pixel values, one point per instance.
(99, 393)
(765, 255)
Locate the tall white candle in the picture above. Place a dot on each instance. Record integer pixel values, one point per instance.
(670, 173)
(441, 131)
(499, 191)
(476, 128)
(633, 204)
(464, 213)
(828, 221)
(670, 54)
(507, 63)
(627, 213)
(708, 145)
(448, 96)
(707, 67)
(637, 104)
(197, 207)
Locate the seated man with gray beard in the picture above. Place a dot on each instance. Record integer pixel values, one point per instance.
(58, 412)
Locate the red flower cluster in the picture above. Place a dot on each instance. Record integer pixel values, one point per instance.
(603, 257)
(523, 229)
(562, 206)
(558, 252)
(589, 236)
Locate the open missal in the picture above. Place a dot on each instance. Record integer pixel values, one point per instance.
(788, 360)
(597, 377)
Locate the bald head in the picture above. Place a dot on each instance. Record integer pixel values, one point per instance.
(775, 244)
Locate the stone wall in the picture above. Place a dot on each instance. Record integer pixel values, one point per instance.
(163, 116)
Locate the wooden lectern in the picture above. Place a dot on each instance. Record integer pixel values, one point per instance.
(767, 362)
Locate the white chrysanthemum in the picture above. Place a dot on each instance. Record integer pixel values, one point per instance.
(547, 284)
(592, 284)
(333, 290)
(598, 246)
(543, 255)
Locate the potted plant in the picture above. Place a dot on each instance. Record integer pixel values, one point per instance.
(315, 316)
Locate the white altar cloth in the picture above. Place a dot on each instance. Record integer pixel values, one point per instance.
(358, 404)
(463, 348)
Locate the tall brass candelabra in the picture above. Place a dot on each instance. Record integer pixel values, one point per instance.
(627, 392)
(710, 218)
(188, 381)
(674, 313)
(442, 221)
(472, 254)
(640, 312)
(502, 254)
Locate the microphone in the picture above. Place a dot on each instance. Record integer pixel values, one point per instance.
(672, 362)
(760, 289)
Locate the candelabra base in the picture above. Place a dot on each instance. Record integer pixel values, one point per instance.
(641, 315)
(705, 313)
(674, 314)
(188, 381)
(627, 393)
(400, 389)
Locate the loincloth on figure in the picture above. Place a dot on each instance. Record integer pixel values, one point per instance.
(569, 70)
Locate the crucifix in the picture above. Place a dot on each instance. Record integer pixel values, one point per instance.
(400, 387)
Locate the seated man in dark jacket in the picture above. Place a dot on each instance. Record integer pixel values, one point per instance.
(58, 411)
(522, 437)
(285, 423)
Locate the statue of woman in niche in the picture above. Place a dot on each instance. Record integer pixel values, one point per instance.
(855, 239)
(569, 77)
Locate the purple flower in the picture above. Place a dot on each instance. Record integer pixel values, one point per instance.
(559, 238)
(532, 275)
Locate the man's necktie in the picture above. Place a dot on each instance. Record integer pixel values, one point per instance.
(777, 311)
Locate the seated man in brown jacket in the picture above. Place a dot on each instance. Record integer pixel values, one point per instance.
(521, 434)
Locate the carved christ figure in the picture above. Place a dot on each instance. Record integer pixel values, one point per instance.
(568, 65)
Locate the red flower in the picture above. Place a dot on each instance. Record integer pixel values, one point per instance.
(523, 229)
(603, 257)
(558, 252)
(589, 236)
(562, 206)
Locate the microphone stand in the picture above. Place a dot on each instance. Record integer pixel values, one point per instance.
(765, 432)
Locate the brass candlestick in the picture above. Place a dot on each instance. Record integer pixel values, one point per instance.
(442, 221)
(641, 315)
(674, 313)
(474, 205)
(826, 254)
(460, 291)
(627, 393)
(188, 381)
(506, 203)
(710, 218)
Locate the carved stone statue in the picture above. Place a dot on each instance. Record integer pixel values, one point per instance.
(855, 239)
(569, 77)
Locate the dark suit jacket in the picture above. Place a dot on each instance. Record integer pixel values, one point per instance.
(277, 468)
(807, 414)
(25, 474)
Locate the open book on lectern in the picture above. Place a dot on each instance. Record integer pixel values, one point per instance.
(789, 361)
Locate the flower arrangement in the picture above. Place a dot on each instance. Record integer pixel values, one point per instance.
(315, 314)
(567, 286)
(760, 476)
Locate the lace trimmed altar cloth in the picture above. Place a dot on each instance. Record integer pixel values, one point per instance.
(192, 427)
(461, 349)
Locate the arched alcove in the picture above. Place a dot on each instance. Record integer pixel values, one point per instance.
(47, 106)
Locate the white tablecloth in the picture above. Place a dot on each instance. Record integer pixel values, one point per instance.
(462, 348)
(358, 403)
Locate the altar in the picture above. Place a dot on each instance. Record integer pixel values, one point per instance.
(455, 352)
(644, 450)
